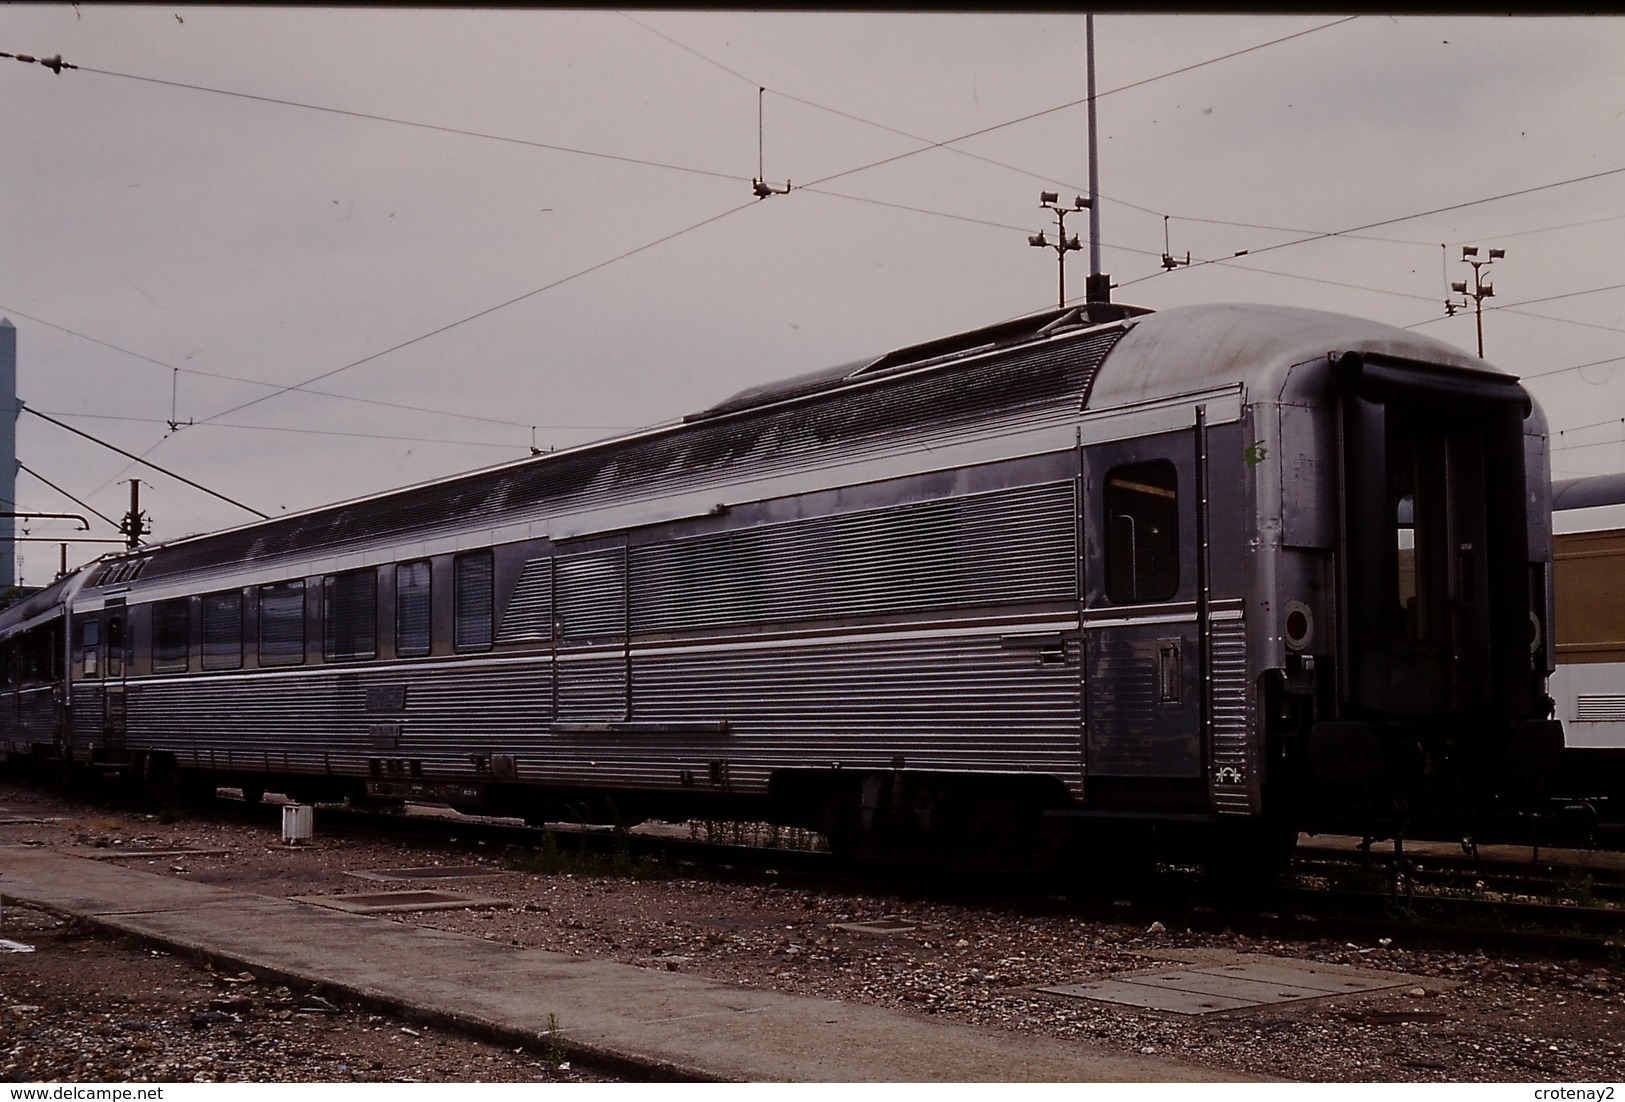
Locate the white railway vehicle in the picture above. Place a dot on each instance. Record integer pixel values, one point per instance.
(1227, 572)
(1588, 524)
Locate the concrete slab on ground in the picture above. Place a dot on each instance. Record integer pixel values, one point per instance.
(1238, 982)
(372, 903)
(658, 1023)
(427, 872)
(99, 854)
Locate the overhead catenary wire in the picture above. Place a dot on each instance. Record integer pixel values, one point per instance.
(412, 123)
(1561, 321)
(1082, 102)
(144, 462)
(1592, 425)
(761, 89)
(373, 117)
(1605, 173)
(261, 383)
(947, 145)
(482, 313)
(901, 207)
(1516, 308)
(77, 501)
(340, 433)
(1572, 367)
(1310, 235)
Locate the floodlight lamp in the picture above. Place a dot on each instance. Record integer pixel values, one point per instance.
(1459, 288)
(1468, 250)
(1048, 198)
(1080, 203)
(1498, 254)
(1074, 243)
(1037, 240)
(1488, 291)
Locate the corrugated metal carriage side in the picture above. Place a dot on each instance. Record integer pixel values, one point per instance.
(974, 592)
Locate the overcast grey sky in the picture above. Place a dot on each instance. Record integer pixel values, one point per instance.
(467, 223)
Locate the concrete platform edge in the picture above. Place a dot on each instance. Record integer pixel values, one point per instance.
(611, 1061)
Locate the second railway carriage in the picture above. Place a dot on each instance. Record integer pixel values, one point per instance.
(1588, 521)
(1231, 567)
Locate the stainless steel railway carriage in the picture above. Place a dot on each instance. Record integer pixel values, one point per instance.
(1228, 571)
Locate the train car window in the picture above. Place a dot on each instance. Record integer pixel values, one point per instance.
(282, 624)
(90, 640)
(1142, 532)
(412, 619)
(223, 631)
(472, 601)
(350, 615)
(170, 634)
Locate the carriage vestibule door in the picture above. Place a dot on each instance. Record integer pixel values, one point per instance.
(115, 640)
(1142, 637)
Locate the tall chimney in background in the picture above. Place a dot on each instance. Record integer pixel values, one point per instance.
(8, 453)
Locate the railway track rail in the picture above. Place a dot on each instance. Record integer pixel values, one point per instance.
(1551, 907)
(1548, 909)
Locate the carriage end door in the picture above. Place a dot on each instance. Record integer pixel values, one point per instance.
(116, 652)
(1141, 624)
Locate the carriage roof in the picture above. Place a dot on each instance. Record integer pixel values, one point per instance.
(1053, 364)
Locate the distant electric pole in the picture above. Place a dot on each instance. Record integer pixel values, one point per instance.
(1481, 288)
(8, 452)
(135, 523)
(1099, 287)
(1050, 200)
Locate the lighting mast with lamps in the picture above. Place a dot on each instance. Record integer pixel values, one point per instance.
(1481, 288)
(1050, 200)
(1099, 286)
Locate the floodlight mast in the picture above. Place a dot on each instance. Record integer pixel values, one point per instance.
(1481, 290)
(1050, 200)
(1099, 286)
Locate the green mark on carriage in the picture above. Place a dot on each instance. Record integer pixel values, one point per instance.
(1255, 453)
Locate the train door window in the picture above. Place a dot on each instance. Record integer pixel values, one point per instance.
(223, 631)
(1142, 532)
(170, 634)
(282, 624)
(412, 617)
(90, 641)
(116, 643)
(350, 615)
(472, 601)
